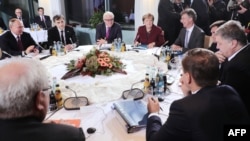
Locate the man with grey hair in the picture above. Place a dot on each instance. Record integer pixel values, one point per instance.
(24, 100)
(234, 57)
(108, 30)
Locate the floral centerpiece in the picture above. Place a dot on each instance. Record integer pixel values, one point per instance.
(95, 62)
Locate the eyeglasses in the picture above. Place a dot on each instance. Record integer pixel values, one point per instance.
(46, 89)
(108, 20)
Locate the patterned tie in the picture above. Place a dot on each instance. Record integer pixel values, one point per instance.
(19, 43)
(42, 18)
(62, 37)
(107, 32)
(186, 39)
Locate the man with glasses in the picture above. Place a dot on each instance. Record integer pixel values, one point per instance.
(108, 30)
(19, 15)
(24, 96)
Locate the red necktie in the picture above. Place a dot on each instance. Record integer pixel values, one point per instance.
(107, 32)
(19, 43)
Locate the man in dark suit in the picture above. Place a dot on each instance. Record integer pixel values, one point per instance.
(61, 32)
(206, 108)
(234, 58)
(108, 30)
(24, 103)
(2, 24)
(169, 20)
(42, 20)
(190, 36)
(19, 15)
(202, 10)
(16, 42)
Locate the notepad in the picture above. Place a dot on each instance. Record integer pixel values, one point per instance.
(72, 122)
(133, 112)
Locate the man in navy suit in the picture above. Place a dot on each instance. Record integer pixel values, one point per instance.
(234, 56)
(206, 108)
(2, 24)
(190, 36)
(16, 42)
(108, 30)
(42, 20)
(63, 33)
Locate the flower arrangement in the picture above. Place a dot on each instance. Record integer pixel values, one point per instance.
(95, 62)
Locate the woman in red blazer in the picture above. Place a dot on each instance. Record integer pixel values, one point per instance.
(149, 34)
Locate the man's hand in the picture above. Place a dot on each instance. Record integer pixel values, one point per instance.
(220, 56)
(101, 41)
(242, 10)
(69, 47)
(176, 48)
(153, 105)
(32, 49)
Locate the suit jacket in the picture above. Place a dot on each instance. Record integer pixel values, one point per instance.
(8, 43)
(202, 10)
(236, 73)
(218, 11)
(115, 32)
(26, 22)
(54, 35)
(169, 20)
(2, 24)
(30, 129)
(196, 38)
(155, 35)
(200, 116)
(42, 24)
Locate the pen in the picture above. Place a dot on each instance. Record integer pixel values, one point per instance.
(161, 108)
(154, 100)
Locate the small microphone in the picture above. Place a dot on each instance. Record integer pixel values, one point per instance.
(160, 48)
(136, 83)
(67, 87)
(72, 43)
(71, 40)
(133, 92)
(4, 52)
(74, 103)
(40, 46)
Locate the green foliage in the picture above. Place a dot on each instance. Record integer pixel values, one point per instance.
(96, 19)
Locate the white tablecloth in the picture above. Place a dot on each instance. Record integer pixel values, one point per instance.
(38, 35)
(102, 88)
(102, 91)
